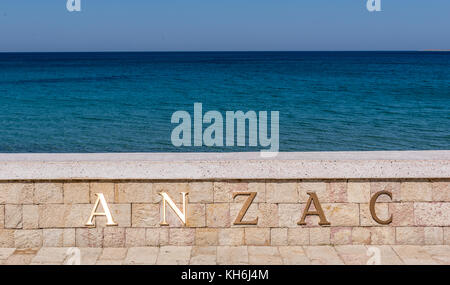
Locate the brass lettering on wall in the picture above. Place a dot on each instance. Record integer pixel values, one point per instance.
(180, 214)
(106, 212)
(373, 200)
(318, 212)
(243, 211)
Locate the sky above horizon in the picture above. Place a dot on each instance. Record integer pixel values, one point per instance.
(223, 25)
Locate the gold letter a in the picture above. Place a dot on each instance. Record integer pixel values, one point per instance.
(107, 213)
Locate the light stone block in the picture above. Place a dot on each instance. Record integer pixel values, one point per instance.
(50, 256)
(337, 191)
(201, 192)
(268, 215)
(416, 191)
(157, 236)
(48, 193)
(106, 188)
(298, 236)
(135, 193)
(319, 236)
(293, 255)
(231, 236)
(278, 236)
(358, 192)
(361, 235)
(402, 214)
(260, 189)
(410, 235)
(13, 216)
(439, 253)
(391, 186)
(341, 235)
(339, 215)
(388, 255)
(264, 255)
(181, 236)
(203, 255)
(113, 237)
(434, 235)
(76, 215)
(112, 256)
(135, 237)
(173, 189)
(30, 216)
(6, 238)
(5, 253)
(174, 255)
(432, 214)
(113, 253)
(314, 186)
(289, 214)
(382, 235)
(145, 215)
(352, 254)
(196, 215)
(323, 255)
(414, 255)
(21, 257)
(2, 216)
(52, 216)
(257, 236)
(232, 255)
(27, 238)
(16, 193)
(89, 256)
(441, 191)
(207, 236)
(58, 237)
(76, 193)
(218, 215)
(141, 256)
(223, 191)
(68, 237)
(447, 235)
(89, 237)
(281, 192)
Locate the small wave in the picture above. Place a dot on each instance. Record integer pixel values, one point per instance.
(67, 79)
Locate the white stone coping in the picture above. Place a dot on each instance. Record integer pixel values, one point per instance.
(247, 165)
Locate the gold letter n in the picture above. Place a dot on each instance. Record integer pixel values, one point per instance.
(180, 215)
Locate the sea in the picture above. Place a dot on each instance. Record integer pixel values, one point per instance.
(124, 101)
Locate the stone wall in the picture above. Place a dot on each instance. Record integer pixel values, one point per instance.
(53, 213)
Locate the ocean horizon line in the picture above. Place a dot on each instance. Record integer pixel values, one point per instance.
(229, 51)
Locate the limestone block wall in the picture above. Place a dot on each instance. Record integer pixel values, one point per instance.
(36, 212)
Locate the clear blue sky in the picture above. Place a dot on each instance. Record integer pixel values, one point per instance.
(189, 25)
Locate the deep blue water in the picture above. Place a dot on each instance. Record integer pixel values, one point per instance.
(123, 102)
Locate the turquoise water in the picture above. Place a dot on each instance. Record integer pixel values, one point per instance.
(123, 102)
